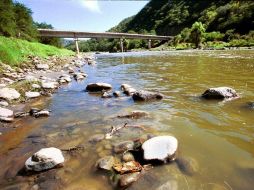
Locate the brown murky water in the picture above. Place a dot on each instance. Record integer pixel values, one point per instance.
(219, 135)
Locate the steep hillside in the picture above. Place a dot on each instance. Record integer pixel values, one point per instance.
(170, 17)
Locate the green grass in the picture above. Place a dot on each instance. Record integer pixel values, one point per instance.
(15, 51)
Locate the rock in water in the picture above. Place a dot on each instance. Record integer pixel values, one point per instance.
(9, 94)
(142, 95)
(161, 148)
(44, 159)
(127, 179)
(96, 87)
(5, 112)
(123, 146)
(105, 163)
(219, 93)
(42, 113)
(32, 94)
(187, 165)
(49, 85)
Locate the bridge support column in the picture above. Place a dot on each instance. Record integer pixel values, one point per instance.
(149, 44)
(76, 44)
(121, 44)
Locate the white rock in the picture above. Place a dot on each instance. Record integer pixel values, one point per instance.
(42, 66)
(49, 85)
(219, 93)
(4, 103)
(44, 159)
(32, 94)
(160, 148)
(36, 86)
(31, 78)
(9, 94)
(5, 112)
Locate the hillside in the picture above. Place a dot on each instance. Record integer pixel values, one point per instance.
(170, 17)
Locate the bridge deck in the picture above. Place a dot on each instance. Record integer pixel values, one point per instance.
(77, 34)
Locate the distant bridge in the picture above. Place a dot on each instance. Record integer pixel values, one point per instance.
(76, 35)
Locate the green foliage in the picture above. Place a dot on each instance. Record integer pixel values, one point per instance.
(213, 36)
(197, 33)
(16, 21)
(14, 51)
(7, 18)
(46, 40)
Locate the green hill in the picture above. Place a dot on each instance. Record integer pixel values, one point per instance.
(170, 17)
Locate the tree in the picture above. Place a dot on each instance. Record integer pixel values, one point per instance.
(24, 22)
(197, 32)
(46, 40)
(7, 18)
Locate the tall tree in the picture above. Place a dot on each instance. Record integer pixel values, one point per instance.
(24, 22)
(7, 18)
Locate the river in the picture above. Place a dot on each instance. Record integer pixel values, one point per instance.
(218, 135)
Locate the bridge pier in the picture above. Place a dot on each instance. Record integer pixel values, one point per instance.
(76, 44)
(149, 44)
(121, 44)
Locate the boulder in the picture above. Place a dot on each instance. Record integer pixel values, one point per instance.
(187, 165)
(49, 85)
(32, 94)
(117, 94)
(44, 159)
(127, 157)
(162, 148)
(42, 66)
(127, 89)
(36, 86)
(3, 103)
(96, 87)
(123, 146)
(105, 163)
(219, 93)
(5, 112)
(127, 179)
(42, 113)
(143, 95)
(9, 94)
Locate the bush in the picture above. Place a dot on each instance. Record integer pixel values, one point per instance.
(213, 36)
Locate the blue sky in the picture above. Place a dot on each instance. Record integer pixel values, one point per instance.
(83, 15)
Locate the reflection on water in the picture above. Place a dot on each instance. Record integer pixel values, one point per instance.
(218, 135)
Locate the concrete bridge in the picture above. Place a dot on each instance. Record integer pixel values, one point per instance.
(77, 34)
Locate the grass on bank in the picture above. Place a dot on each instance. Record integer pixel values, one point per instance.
(15, 51)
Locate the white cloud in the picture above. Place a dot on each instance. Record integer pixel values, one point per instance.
(91, 5)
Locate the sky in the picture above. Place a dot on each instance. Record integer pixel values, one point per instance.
(83, 15)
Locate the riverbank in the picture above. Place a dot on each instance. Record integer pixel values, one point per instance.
(32, 70)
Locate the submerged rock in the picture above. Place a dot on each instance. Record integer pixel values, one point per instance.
(9, 94)
(162, 148)
(105, 163)
(143, 95)
(134, 114)
(169, 185)
(117, 94)
(44, 159)
(128, 167)
(106, 95)
(123, 146)
(96, 138)
(219, 93)
(96, 87)
(127, 179)
(32, 94)
(187, 165)
(250, 105)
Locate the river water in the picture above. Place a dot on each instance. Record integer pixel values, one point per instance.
(218, 135)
